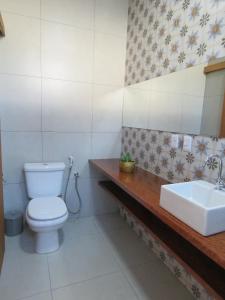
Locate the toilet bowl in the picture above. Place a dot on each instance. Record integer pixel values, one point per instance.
(45, 216)
(46, 212)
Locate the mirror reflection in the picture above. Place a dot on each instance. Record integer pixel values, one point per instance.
(187, 101)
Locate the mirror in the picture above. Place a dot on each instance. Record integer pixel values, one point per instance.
(187, 101)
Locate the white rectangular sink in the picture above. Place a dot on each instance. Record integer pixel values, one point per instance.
(196, 203)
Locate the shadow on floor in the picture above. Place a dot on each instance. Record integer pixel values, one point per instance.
(27, 240)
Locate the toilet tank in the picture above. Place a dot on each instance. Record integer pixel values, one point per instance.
(44, 179)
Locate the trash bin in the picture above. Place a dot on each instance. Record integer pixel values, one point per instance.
(13, 223)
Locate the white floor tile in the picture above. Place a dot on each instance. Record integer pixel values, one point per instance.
(153, 280)
(109, 222)
(78, 227)
(110, 287)
(24, 243)
(100, 258)
(127, 247)
(42, 296)
(81, 259)
(24, 274)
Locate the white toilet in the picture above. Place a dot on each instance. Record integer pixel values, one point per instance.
(46, 211)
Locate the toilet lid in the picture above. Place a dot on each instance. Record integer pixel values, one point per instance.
(46, 208)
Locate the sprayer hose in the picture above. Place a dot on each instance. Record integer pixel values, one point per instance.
(76, 176)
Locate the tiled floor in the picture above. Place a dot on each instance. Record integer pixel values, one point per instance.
(101, 258)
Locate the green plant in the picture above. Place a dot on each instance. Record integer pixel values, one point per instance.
(126, 157)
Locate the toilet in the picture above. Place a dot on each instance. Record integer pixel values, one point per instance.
(46, 212)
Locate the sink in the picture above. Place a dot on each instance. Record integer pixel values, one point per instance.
(196, 203)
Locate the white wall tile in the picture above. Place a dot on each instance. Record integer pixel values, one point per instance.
(20, 48)
(107, 108)
(211, 119)
(18, 148)
(157, 119)
(66, 106)
(58, 146)
(191, 114)
(165, 111)
(111, 16)
(20, 102)
(62, 47)
(67, 52)
(136, 108)
(106, 145)
(109, 61)
(95, 200)
(24, 7)
(78, 13)
(189, 81)
(194, 79)
(15, 197)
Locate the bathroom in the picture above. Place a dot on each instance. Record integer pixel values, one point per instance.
(89, 86)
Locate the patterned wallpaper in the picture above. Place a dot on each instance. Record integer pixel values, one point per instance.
(152, 151)
(164, 36)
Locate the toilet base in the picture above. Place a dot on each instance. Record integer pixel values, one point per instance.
(47, 242)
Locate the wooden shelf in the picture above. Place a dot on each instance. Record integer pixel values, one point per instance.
(2, 28)
(140, 193)
(208, 273)
(145, 187)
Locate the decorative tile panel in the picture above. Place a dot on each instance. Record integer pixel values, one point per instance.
(152, 151)
(181, 273)
(165, 36)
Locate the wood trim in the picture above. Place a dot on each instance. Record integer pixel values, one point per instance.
(214, 67)
(2, 233)
(2, 27)
(222, 123)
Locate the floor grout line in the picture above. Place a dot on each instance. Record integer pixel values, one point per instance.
(33, 295)
(49, 276)
(73, 26)
(86, 280)
(118, 270)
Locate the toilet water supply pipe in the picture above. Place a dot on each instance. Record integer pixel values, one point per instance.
(76, 176)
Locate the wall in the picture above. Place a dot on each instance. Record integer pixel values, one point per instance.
(172, 102)
(167, 36)
(61, 78)
(153, 152)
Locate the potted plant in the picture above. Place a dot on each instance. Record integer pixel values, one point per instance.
(127, 164)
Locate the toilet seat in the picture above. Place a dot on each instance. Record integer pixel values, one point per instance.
(46, 208)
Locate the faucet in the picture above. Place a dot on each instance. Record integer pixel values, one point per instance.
(220, 184)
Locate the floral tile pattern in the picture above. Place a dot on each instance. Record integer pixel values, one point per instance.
(185, 277)
(165, 36)
(152, 151)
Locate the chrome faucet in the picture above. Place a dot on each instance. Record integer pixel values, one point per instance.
(220, 184)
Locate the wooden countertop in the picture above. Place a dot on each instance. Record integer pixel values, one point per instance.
(145, 188)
